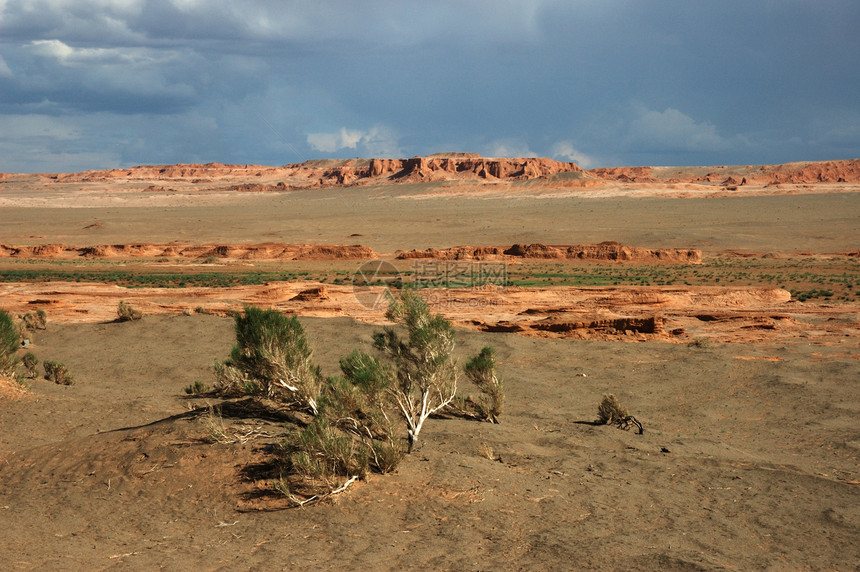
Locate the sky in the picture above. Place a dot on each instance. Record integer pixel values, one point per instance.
(94, 84)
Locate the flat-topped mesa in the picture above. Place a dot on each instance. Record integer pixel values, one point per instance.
(445, 167)
(605, 251)
(482, 167)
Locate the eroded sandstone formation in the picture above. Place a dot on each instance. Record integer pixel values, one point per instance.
(609, 251)
(268, 251)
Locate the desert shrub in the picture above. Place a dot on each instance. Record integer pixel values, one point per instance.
(386, 455)
(10, 341)
(425, 380)
(216, 431)
(481, 369)
(57, 372)
(611, 412)
(359, 403)
(127, 312)
(230, 381)
(321, 453)
(351, 423)
(272, 357)
(37, 320)
(30, 362)
(197, 388)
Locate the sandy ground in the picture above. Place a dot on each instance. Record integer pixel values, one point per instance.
(815, 218)
(749, 458)
(748, 461)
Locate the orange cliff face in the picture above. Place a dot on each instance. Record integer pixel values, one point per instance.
(444, 167)
(450, 167)
(455, 166)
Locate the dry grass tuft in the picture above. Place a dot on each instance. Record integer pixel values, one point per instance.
(487, 452)
(37, 320)
(11, 389)
(58, 373)
(611, 412)
(127, 312)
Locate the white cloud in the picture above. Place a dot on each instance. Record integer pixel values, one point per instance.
(378, 141)
(509, 148)
(69, 56)
(565, 150)
(675, 131)
(331, 142)
(381, 141)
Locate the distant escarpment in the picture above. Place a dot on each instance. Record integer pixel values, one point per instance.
(336, 172)
(452, 169)
(266, 251)
(448, 167)
(609, 251)
(814, 172)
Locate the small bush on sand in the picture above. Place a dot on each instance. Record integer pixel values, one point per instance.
(30, 362)
(216, 431)
(58, 373)
(351, 423)
(481, 369)
(127, 312)
(197, 388)
(321, 452)
(37, 320)
(272, 357)
(611, 412)
(425, 380)
(10, 341)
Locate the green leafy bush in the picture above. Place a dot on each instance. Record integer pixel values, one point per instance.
(481, 369)
(351, 423)
(320, 452)
(425, 379)
(10, 341)
(272, 357)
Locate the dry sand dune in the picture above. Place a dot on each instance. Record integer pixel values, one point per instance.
(748, 396)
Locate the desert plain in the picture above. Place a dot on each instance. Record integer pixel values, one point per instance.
(718, 303)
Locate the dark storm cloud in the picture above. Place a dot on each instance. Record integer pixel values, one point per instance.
(599, 82)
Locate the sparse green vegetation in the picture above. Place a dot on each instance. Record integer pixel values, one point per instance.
(837, 274)
(58, 373)
(10, 341)
(197, 388)
(271, 357)
(804, 295)
(481, 370)
(30, 361)
(351, 425)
